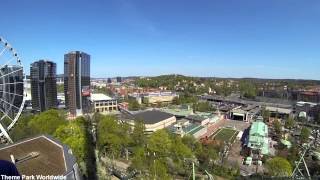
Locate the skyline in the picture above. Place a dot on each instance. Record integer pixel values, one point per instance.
(199, 38)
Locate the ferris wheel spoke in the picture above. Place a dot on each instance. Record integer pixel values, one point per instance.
(11, 105)
(3, 50)
(6, 92)
(7, 63)
(5, 115)
(20, 69)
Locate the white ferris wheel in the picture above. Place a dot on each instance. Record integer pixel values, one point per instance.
(11, 88)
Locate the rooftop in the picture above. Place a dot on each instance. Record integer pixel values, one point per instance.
(258, 137)
(152, 116)
(178, 110)
(258, 128)
(280, 110)
(196, 118)
(52, 157)
(100, 97)
(302, 103)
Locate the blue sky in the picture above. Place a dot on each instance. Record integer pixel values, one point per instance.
(224, 38)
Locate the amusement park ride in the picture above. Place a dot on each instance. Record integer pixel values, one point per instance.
(12, 96)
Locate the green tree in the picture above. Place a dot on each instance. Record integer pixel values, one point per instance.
(139, 159)
(60, 88)
(290, 123)
(112, 137)
(76, 135)
(47, 122)
(206, 154)
(247, 89)
(159, 143)
(21, 129)
(305, 134)
(159, 170)
(191, 142)
(279, 167)
(265, 114)
(226, 91)
(176, 101)
(138, 134)
(203, 107)
(277, 126)
(73, 134)
(133, 105)
(179, 150)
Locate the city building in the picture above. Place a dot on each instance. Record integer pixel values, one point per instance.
(197, 119)
(154, 120)
(43, 85)
(42, 155)
(308, 110)
(109, 81)
(159, 97)
(153, 97)
(185, 127)
(77, 82)
(27, 92)
(179, 111)
(239, 114)
(119, 79)
(277, 113)
(136, 96)
(60, 78)
(311, 95)
(103, 104)
(123, 105)
(258, 138)
(61, 101)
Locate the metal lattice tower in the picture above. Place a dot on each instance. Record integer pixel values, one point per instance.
(301, 170)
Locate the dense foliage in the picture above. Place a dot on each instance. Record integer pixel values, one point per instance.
(279, 167)
(248, 89)
(133, 105)
(160, 155)
(305, 134)
(290, 123)
(60, 88)
(203, 107)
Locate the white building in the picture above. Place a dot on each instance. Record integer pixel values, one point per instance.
(103, 104)
(154, 120)
(159, 97)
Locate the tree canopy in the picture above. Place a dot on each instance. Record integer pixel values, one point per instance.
(112, 136)
(305, 134)
(279, 167)
(133, 105)
(277, 126)
(290, 123)
(247, 89)
(47, 122)
(203, 107)
(74, 135)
